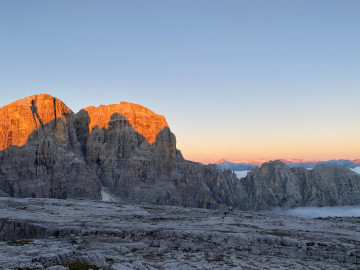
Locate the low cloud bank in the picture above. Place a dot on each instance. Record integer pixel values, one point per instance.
(312, 212)
(241, 174)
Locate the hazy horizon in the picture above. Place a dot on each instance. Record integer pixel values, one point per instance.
(240, 80)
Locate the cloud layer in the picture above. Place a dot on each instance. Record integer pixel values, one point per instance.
(312, 212)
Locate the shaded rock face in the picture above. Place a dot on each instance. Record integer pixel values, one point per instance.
(330, 186)
(133, 170)
(130, 152)
(46, 162)
(134, 158)
(275, 184)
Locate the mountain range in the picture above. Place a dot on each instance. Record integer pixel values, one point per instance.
(248, 165)
(127, 153)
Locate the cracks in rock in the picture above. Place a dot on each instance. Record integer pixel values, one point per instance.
(34, 111)
(35, 114)
(54, 101)
(138, 139)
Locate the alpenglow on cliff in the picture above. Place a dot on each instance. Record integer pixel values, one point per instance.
(46, 150)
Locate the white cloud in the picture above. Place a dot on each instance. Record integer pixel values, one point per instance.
(357, 170)
(311, 212)
(241, 174)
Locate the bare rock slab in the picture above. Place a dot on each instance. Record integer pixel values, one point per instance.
(55, 234)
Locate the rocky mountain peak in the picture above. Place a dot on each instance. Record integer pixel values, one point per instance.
(126, 152)
(20, 118)
(357, 161)
(143, 120)
(275, 165)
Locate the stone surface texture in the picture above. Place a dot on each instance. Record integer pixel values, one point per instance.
(142, 120)
(275, 184)
(51, 234)
(20, 118)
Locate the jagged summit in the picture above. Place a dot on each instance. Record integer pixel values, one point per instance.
(310, 164)
(221, 161)
(128, 153)
(20, 118)
(143, 120)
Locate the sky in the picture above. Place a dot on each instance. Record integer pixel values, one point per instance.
(235, 79)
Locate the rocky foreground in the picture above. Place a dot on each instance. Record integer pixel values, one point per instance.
(69, 234)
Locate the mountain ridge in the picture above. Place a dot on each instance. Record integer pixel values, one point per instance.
(142, 119)
(247, 165)
(25, 117)
(67, 156)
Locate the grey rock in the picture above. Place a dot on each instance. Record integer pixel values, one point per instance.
(63, 159)
(3, 194)
(151, 237)
(275, 184)
(48, 166)
(57, 267)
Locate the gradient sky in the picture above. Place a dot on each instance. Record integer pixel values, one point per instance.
(235, 79)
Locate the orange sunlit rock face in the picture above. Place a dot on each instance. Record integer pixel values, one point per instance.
(18, 119)
(143, 120)
(221, 161)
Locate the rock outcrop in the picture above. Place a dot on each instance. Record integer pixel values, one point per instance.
(20, 118)
(129, 152)
(40, 156)
(275, 184)
(126, 149)
(142, 120)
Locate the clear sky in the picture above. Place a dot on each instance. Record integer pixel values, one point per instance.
(235, 79)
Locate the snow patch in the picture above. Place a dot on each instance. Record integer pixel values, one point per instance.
(357, 170)
(106, 197)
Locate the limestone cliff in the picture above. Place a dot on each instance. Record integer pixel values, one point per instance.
(128, 150)
(141, 119)
(40, 156)
(20, 118)
(125, 148)
(275, 184)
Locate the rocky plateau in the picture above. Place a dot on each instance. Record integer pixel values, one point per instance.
(81, 234)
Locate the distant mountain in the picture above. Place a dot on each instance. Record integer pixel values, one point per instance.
(341, 162)
(226, 165)
(248, 165)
